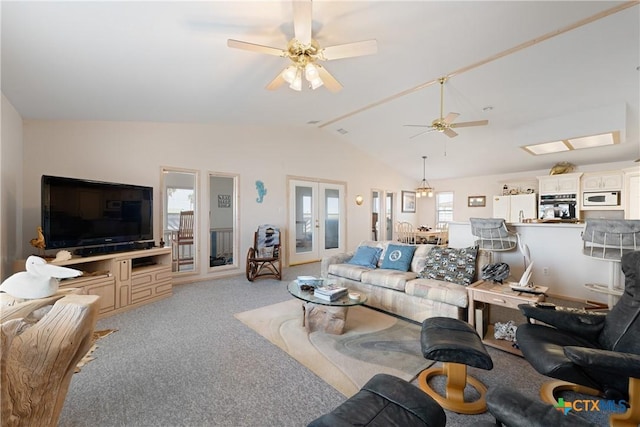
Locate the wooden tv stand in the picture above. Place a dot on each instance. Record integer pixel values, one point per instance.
(123, 280)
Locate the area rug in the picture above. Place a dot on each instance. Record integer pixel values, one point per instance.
(373, 343)
(89, 356)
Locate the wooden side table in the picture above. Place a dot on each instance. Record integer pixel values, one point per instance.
(504, 296)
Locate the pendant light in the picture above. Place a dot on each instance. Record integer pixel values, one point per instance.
(424, 189)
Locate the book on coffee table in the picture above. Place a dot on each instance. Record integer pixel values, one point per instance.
(330, 292)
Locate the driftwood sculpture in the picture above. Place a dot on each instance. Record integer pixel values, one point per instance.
(38, 354)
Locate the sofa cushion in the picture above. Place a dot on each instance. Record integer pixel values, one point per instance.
(388, 278)
(348, 271)
(398, 257)
(451, 264)
(420, 257)
(366, 256)
(437, 290)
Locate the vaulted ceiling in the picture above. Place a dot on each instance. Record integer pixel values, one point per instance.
(538, 71)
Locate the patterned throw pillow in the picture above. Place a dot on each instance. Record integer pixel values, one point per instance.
(451, 264)
(366, 256)
(398, 257)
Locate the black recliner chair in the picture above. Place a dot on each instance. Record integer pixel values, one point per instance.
(596, 353)
(385, 401)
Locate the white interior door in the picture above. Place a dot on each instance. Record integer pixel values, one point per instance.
(317, 220)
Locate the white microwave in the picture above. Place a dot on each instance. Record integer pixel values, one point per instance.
(601, 198)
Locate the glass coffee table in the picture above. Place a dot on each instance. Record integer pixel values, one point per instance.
(321, 315)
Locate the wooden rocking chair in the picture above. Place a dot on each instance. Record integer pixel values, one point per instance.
(264, 258)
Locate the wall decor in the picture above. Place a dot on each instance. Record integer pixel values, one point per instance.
(262, 191)
(408, 201)
(224, 200)
(477, 201)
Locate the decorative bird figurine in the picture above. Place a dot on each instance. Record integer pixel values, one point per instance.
(38, 242)
(39, 281)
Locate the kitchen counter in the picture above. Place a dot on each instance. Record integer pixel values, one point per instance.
(556, 250)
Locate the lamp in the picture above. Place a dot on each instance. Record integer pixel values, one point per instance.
(424, 189)
(303, 58)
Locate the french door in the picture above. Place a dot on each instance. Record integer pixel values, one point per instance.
(316, 220)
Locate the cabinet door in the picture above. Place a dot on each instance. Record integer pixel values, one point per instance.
(568, 185)
(107, 291)
(548, 185)
(591, 183)
(612, 181)
(607, 181)
(501, 206)
(632, 193)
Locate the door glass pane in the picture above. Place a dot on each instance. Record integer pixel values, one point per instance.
(222, 221)
(332, 218)
(375, 215)
(178, 217)
(304, 219)
(389, 216)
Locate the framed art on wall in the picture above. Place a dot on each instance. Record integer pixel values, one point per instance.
(477, 201)
(408, 201)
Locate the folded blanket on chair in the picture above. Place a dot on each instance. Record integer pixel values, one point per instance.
(268, 235)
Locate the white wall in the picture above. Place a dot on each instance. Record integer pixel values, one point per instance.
(132, 152)
(11, 165)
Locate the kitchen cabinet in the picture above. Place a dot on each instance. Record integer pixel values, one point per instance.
(602, 181)
(509, 207)
(559, 184)
(631, 193)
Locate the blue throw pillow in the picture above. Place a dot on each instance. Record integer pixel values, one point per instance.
(398, 257)
(366, 256)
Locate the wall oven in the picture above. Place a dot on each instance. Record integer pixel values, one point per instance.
(558, 206)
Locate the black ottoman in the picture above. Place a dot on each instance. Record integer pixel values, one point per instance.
(457, 345)
(385, 401)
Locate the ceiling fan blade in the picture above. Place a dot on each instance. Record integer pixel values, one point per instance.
(450, 117)
(237, 44)
(347, 50)
(469, 124)
(418, 126)
(421, 133)
(302, 21)
(329, 81)
(277, 82)
(450, 133)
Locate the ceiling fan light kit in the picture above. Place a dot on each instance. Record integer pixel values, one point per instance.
(304, 52)
(424, 189)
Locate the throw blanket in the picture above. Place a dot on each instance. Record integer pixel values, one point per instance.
(268, 235)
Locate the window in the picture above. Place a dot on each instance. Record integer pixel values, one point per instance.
(444, 207)
(178, 199)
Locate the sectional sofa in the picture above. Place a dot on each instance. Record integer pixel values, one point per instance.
(412, 281)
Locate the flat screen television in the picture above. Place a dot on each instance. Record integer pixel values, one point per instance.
(79, 213)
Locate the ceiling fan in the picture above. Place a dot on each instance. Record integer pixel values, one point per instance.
(304, 52)
(444, 124)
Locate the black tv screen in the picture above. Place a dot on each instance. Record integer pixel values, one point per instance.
(81, 213)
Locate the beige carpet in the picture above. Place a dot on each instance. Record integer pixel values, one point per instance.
(373, 343)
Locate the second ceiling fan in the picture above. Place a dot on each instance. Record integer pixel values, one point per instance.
(444, 124)
(304, 52)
